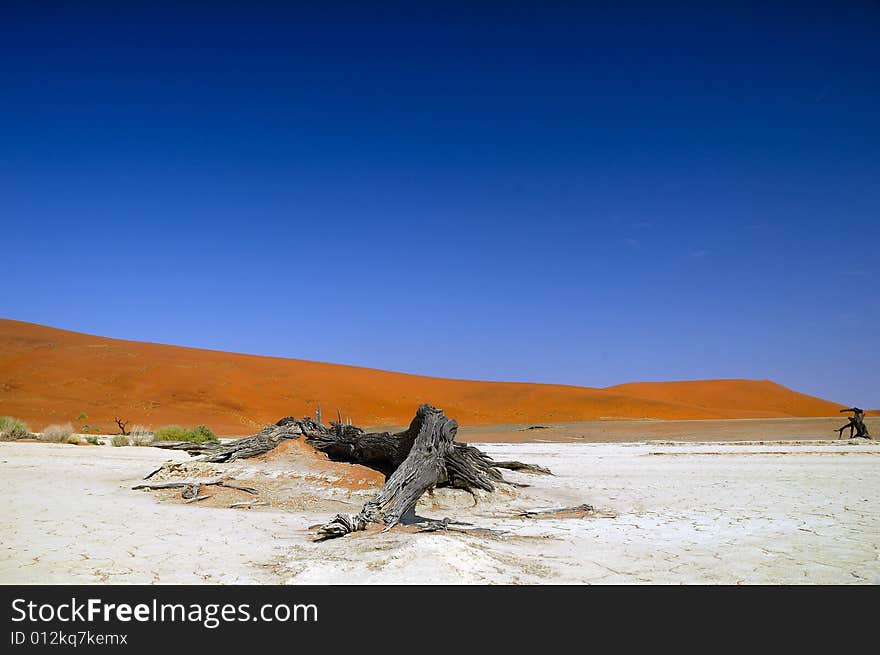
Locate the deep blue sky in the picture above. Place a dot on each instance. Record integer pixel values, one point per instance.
(556, 194)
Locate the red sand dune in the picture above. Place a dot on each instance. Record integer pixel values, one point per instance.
(49, 375)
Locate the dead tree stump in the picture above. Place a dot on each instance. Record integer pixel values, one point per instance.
(856, 424)
(423, 468)
(422, 457)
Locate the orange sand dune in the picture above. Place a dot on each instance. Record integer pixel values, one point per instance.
(49, 375)
(733, 398)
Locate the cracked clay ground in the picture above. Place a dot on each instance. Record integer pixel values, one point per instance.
(782, 512)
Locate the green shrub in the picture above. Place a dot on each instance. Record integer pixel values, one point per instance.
(203, 433)
(73, 439)
(198, 434)
(12, 428)
(56, 433)
(119, 440)
(94, 441)
(171, 433)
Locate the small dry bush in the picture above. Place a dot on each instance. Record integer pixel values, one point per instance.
(57, 433)
(119, 440)
(141, 436)
(12, 428)
(73, 440)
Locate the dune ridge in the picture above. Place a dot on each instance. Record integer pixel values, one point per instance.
(50, 375)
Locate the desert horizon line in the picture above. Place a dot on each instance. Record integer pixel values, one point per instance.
(407, 373)
(52, 373)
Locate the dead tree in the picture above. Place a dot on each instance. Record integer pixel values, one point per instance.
(416, 460)
(423, 468)
(122, 424)
(856, 424)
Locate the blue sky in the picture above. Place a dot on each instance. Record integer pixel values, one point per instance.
(552, 193)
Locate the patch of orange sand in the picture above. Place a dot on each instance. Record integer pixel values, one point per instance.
(341, 474)
(51, 376)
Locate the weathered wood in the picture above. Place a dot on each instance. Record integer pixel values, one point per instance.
(520, 466)
(191, 487)
(265, 440)
(423, 468)
(172, 485)
(432, 459)
(381, 451)
(250, 503)
(856, 424)
(448, 525)
(467, 467)
(197, 499)
(248, 490)
(576, 512)
(416, 460)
